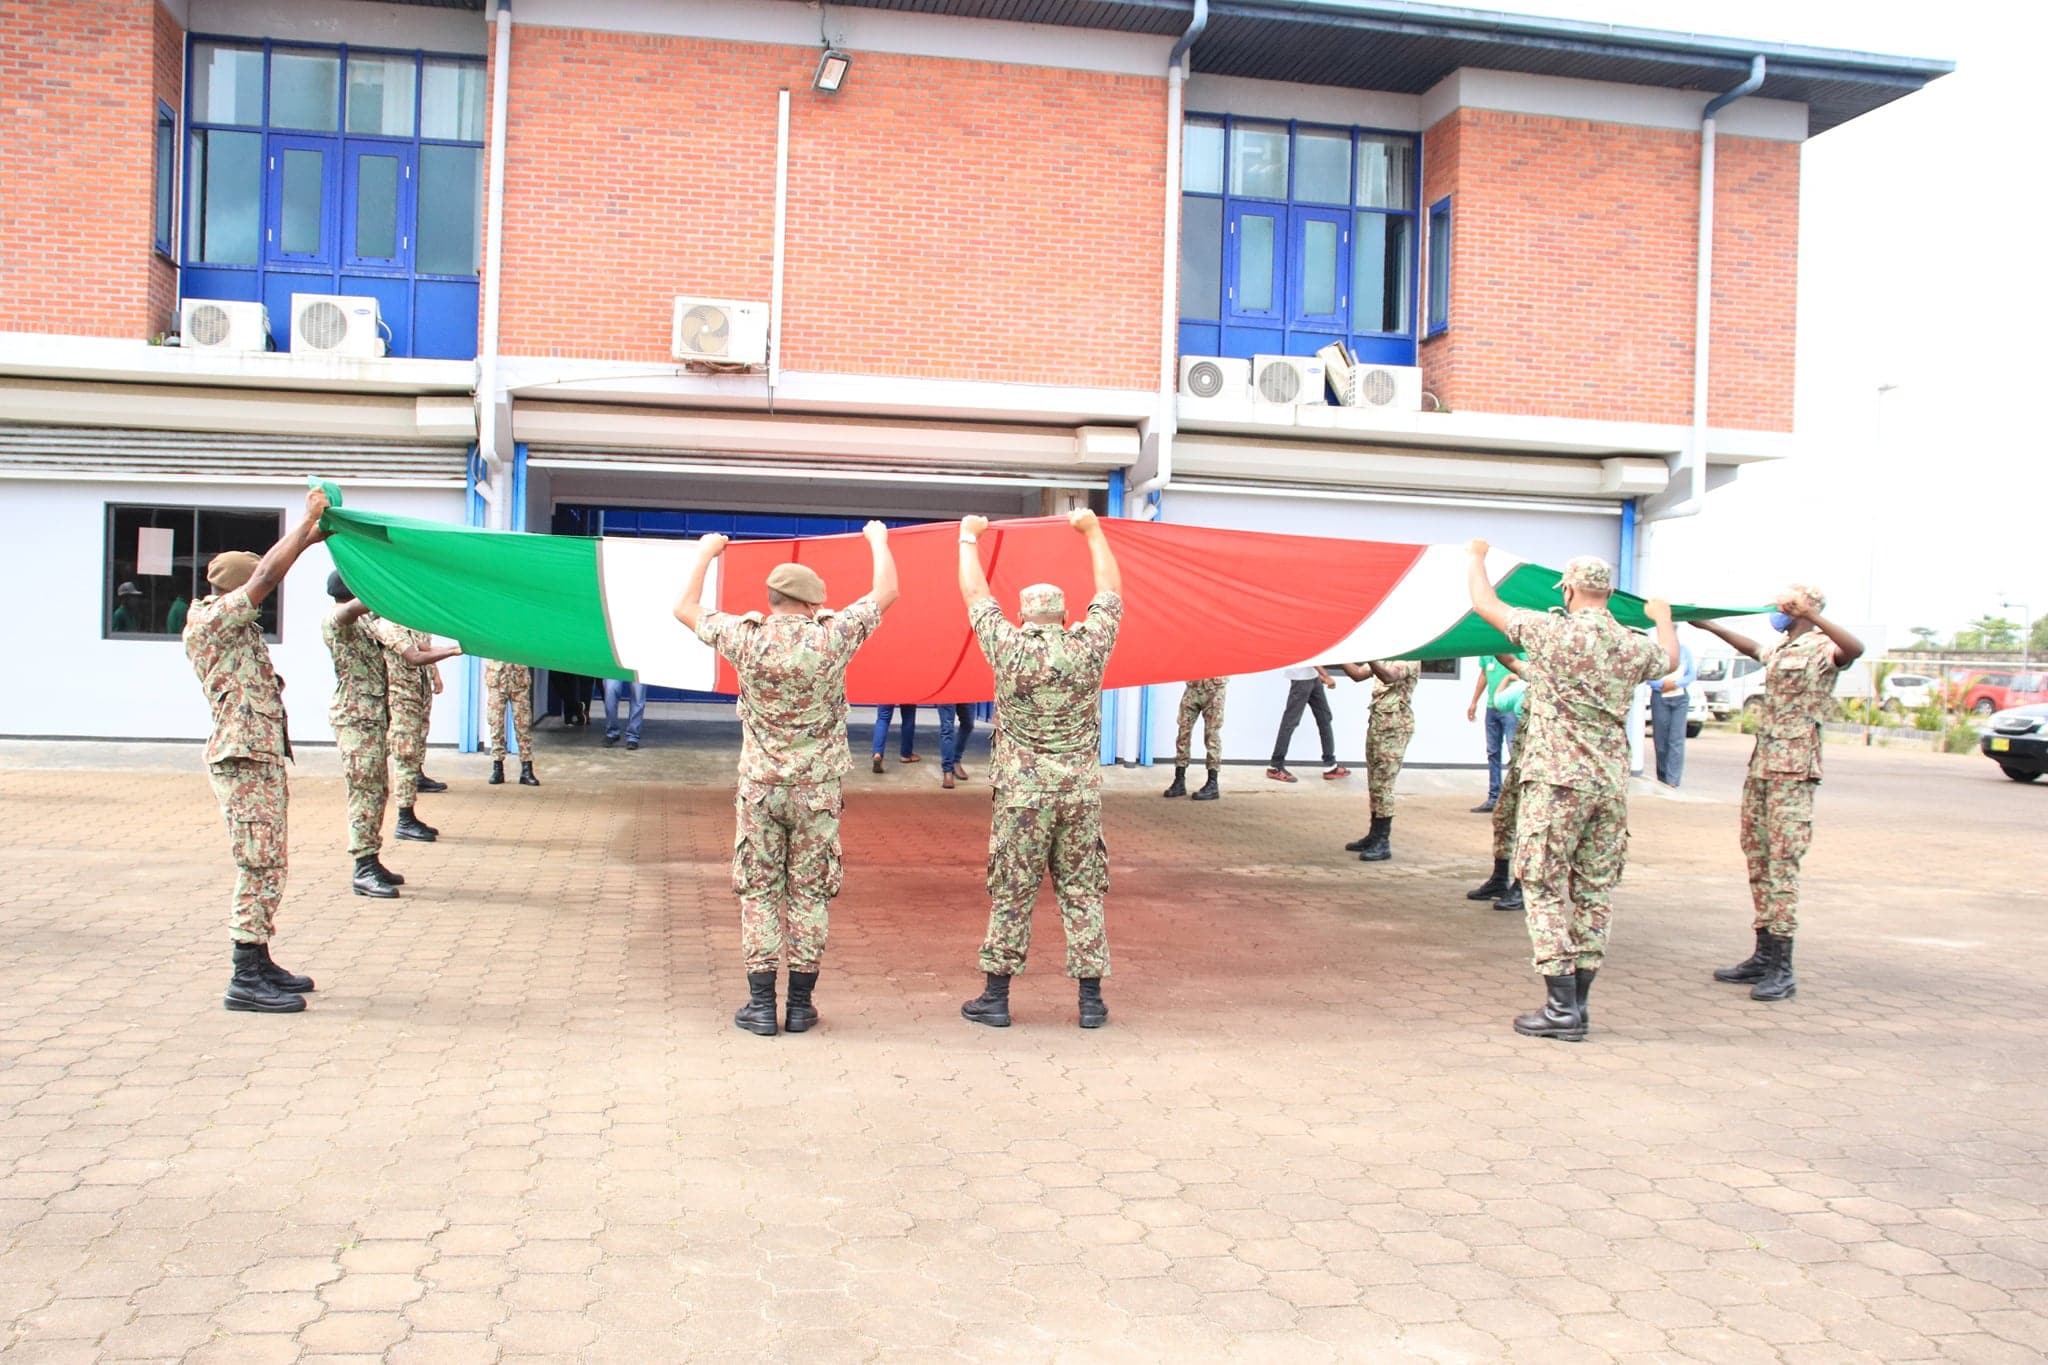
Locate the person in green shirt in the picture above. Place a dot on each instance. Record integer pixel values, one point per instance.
(1500, 692)
(128, 610)
(174, 624)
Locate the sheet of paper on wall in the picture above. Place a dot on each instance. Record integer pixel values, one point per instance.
(153, 550)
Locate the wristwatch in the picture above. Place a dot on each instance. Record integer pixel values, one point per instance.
(969, 538)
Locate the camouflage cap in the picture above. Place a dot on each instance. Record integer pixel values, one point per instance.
(798, 583)
(230, 569)
(1589, 572)
(1813, 597)
(1042, 599)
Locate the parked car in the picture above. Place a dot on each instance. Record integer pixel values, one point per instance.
(1990, 692)
(1726, 683)
(1908, 691)
(2017, 741)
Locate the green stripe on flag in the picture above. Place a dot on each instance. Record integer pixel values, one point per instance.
(1535, 587)
(528, 599)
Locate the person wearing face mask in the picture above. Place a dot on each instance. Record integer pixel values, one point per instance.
(1784, 773)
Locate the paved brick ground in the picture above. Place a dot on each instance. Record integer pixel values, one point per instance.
(516, 1123)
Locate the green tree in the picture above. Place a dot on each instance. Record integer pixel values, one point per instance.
(1926, 636)
(2037, 639)
(1989, 632)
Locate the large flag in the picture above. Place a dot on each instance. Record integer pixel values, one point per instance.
(1198, 602)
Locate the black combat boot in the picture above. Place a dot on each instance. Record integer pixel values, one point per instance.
(992, 1006)
(386, 873)
(280, 978)
(1751, 968)
(497, 777)
(428, 784)
(251, 990)
(800, 1014)
(367, 881)
(1494, 887)
(1512, 901)
(1777, 982)
(758, 1014)
(1180, 782)
(1208, 791)
(1358, 845)
(1378, 846)
(1094, 1014)
(1559, 1017)
(1586, 975)
(526, 777)
(411, 827)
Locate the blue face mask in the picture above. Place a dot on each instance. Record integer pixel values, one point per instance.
(1780, 622)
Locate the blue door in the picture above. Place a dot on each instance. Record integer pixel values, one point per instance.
(1319, 250)
(1257, 249)
(300, 192)
(377, 200)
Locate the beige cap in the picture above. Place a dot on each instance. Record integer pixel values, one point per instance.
(1042, 599)
(1589, 572)
(230, 569)
(1815, 599)
(798, 583)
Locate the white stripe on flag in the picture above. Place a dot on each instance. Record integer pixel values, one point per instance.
(642, 579)
(1430, 598)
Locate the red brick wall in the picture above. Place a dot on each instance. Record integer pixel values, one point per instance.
(168, 84)
(75, 167)
(949, 219)
(1573, 271)
(1438, 356)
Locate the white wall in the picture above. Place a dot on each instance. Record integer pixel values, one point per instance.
(1442, 734)
(52, 551)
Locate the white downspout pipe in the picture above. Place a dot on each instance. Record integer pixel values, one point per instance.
(498, 491)
(781, 222)
(1165, 422)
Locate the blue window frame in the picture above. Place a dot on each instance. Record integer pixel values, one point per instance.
(1295, 235)
(336, 170)
(164, 203)
(1439, 267)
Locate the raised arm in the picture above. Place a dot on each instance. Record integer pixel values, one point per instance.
(1485, 600)
(1355, 672)
(1100, 558)
(427, 658)
(351, 611)
(1848, 649)
(277, 561)
(973, 582)
(690, 607)
(884, 590)
(1741, 644)
(1383, 673)
(1512, 665)
(1659, 612)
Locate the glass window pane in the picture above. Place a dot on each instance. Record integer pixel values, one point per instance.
(305, 90)
(166, 164)
(1322, 167)
(1380, 282)
(1255, 263)
(157, 607)
(227, 84)
(1258, 161)
(452, 101)
(1201, 257)
(1201, 158)
(252, 531)
(450, 210)
(376, 225)
(1439, 266)
(380, 95)
(1320, 264)
(298, 234)
(225, 171)
(1386, 172)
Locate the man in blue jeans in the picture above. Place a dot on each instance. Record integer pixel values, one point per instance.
(636, 693)
(1500, 692)
(908, 753)
(1668, 704)
(956, 727)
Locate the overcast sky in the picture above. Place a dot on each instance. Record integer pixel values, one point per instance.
(1921, 266)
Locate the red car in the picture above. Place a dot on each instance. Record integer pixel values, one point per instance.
(1985, 693)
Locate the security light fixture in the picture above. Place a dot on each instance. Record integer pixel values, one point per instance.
(831, 74)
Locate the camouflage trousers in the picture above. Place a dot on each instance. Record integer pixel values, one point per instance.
(785, 870)
(1026, 839)
(1777, 829)
(517, 693)
(252, 801)
(368, 780)
(1506, 806)
(1569, 852)
(408, 748)
(1203, 701)
(1385, 747)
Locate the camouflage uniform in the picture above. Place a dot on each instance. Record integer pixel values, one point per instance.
(1389, 728)
(411, 695)
(509, 685)
(360, 718)
(1046, 770)
(1784, 771)
(245, 754)
(1572, 835)
(1203, 698)
(1509, 803)
(792, 704)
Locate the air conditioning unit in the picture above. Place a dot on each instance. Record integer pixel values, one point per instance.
(336, 324)
(1210, 376)
(721, 331)
(1388, 388)
(1287, 379)
(223, 325)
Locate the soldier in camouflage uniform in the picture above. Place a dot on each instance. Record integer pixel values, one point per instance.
(1572, 840)
(1389, 727)
(510, 685)
(1201, 699)
(793, 753)
(1502, 888)
(359, 716)
(1784, 774)
(412, 680)
(246, 753)
(1046, 770)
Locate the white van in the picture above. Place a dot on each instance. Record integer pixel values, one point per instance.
(1727, 683)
